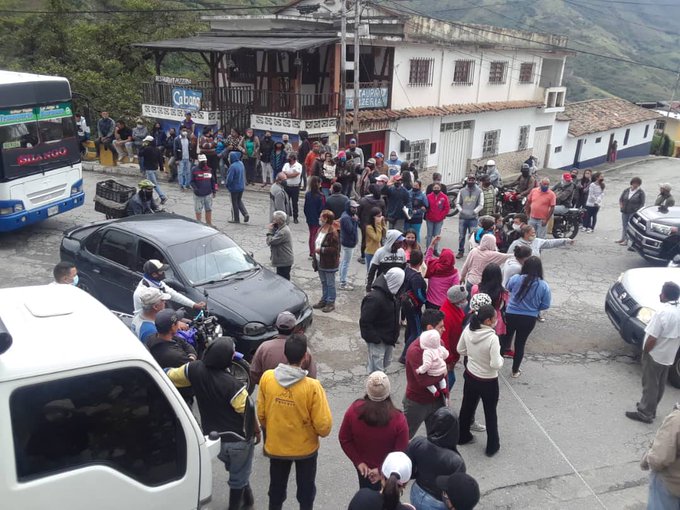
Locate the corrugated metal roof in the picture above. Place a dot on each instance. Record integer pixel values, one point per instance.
(220, 44)
(598, 115)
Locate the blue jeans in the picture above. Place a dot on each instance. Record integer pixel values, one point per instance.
(434, 228)
(465, 229)
(379, 357)
(327, 277)
(659, 497)
(152, 176)
(541, 230)
(451, 378)
(416, 227)
(368, 258)
(345, 258)
(184, 172)
(423, 500)
(625, 218)
(238, 460)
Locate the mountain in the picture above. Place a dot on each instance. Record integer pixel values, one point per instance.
(642, 31)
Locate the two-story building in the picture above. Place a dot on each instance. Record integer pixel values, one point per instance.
(445, 95)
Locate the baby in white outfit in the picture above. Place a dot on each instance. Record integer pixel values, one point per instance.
(434, 360)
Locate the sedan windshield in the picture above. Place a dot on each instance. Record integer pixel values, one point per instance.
(211, 259)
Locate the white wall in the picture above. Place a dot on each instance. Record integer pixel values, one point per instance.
(443, 91)
(591, 149)
(424, 128)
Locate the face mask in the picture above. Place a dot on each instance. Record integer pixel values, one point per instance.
(75, 281)
(184, 135)
(525, 173)
(516, 226)
(267, 137)
(544, 188)
(471, 184)
(410, 241)
(531, 238)
(139, 125)
(437, 192)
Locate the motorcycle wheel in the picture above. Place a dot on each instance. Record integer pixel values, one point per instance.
(452, 205)
(240, 369)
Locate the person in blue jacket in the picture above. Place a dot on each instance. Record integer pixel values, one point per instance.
(349, 237)
(419, 206)
(236, 183)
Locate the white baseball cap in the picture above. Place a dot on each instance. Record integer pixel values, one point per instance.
(151, 295)
(399, 463)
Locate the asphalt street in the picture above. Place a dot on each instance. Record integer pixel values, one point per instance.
(565, 442)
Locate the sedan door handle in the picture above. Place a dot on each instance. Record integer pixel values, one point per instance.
(96, 270)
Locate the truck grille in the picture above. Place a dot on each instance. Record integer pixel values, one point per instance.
(622, 297)
(638, 223)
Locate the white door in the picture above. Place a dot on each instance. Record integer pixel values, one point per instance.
(541, 143)
(455, 142)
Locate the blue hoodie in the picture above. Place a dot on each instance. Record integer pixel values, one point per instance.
(236, 175)
(536, 299)
(349, 227)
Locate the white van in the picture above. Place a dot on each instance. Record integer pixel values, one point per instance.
(87, 418)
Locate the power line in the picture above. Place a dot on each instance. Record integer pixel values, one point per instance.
(226, 7)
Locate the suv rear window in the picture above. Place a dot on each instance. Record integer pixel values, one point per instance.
(118, 418)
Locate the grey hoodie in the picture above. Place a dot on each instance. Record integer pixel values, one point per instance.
(288, 375)
(538, 244)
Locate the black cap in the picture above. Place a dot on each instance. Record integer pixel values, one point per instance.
(461, 489)
(154, 266)
(165, 320)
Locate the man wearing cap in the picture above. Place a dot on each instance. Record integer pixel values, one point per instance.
(368, 177)
(152, 301)
(459, 491)
(564, 193)
(380, 164)
(154, 274)
(294, 413)
(469, 203)
(149, 159)
(270, 354)
(204, 184)
(398, 202)
(349, 238)
(142, 202)
(139, 134)
(325, 146)
(187, 123)
(169, 350)
(225, 408)
(379, 319)
(355, 154)
(293, 172)
(664, 199)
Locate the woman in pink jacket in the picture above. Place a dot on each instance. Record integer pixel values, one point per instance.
(480, 257)
(441, 275)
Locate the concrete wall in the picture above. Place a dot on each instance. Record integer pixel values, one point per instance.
(443, 91)
(594, 153)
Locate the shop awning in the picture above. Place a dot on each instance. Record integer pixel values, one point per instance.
(220, 44)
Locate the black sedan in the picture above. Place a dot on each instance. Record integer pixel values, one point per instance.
(205, 265)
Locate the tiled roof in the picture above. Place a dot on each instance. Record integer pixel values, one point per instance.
(442, 111)
(597, 115)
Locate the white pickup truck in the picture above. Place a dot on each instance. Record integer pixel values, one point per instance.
(87, 418)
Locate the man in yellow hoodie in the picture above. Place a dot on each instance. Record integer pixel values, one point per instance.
(293, 412)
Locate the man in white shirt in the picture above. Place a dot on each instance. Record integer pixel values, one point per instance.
(83, 132)
(293, 172)
(658, 352)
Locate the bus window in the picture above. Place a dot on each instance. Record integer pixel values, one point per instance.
(55, 130)
(19, 135)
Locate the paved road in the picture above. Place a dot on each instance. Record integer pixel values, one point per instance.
(565, 441)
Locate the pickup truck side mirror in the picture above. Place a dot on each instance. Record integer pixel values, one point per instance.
(176, 285)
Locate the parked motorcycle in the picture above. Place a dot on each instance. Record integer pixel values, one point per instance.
(567, 225)
(452, 191)
(508, 201)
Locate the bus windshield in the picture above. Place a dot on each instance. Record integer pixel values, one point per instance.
(36, 140)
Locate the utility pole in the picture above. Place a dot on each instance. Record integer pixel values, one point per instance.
(342, 127)
(357, 56)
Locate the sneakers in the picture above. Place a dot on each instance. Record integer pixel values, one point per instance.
(246, 218)
(509, 354)
(346, 286)
(460, 255)
(361, 260)
(233, 221)
(540, 318)
(515, 375)
(164, 200)
(319, 305)
(635, 415)
(328, 308)
(477, 427)
(295, 220)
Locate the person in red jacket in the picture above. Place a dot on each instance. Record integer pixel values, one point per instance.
(454, 318)
(419, 402)
(371, 429)
(436, 213)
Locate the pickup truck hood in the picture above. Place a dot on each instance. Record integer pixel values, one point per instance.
(670, 217)
(644, 284)
(259, 297)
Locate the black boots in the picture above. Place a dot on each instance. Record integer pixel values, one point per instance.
(248, 499)
(235, 498)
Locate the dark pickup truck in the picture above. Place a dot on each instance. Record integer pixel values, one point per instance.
(653, 232)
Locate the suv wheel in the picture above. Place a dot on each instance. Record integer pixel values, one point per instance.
(674, 372)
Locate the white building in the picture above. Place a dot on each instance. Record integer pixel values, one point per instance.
(446, 95)
(584, 132)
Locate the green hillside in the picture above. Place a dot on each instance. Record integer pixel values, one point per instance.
(641, 31)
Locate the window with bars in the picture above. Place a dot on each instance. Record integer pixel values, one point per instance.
(490, 146)
(455, 126)
(463, 72)
(526, 72)
(418, 153)
(523, 138)
(498, 72)
(421, 72)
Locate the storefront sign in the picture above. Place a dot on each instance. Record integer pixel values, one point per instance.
(368, 98)
(173, 80)
(186, 99)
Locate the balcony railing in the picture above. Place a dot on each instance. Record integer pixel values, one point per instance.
(243, 99)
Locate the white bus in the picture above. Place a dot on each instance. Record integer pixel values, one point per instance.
(40, 170)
